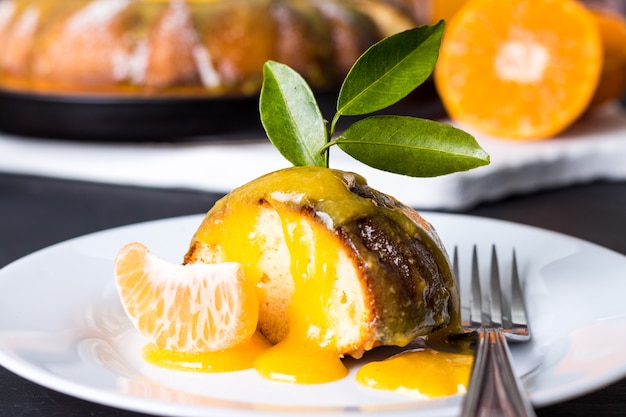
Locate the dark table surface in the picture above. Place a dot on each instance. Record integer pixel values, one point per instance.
(37, 212)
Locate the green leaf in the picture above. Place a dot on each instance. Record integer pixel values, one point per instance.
(291, 117)
(390, 70)
(411, 146)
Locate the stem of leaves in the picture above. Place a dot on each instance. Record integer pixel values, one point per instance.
(325, 150)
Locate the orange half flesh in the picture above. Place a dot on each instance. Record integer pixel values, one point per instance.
(522, 69)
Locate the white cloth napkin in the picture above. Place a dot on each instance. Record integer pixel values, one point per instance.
(595, 148)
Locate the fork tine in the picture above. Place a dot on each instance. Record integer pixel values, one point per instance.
(455, 267)
(476, 297)
(464, 305)
(519, 317)
(495, 290)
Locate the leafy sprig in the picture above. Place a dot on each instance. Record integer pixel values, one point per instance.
(386, 73)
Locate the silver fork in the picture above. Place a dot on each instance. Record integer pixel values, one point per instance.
(494, 389)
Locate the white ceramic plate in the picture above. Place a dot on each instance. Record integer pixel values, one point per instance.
(62, 326)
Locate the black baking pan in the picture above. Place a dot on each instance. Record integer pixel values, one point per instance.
(132, 119)
(123, 119)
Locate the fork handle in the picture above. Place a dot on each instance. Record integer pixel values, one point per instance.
(494, 389)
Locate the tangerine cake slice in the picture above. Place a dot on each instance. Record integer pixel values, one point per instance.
(524, 69)
(337, 265)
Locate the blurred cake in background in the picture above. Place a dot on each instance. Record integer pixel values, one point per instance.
(207, 48)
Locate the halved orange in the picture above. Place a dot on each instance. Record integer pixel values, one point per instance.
(437, 10)
(612, 84)
(185, 308)
(523, 69)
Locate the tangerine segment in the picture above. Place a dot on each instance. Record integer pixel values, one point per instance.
(523, 69)
(185, 308)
